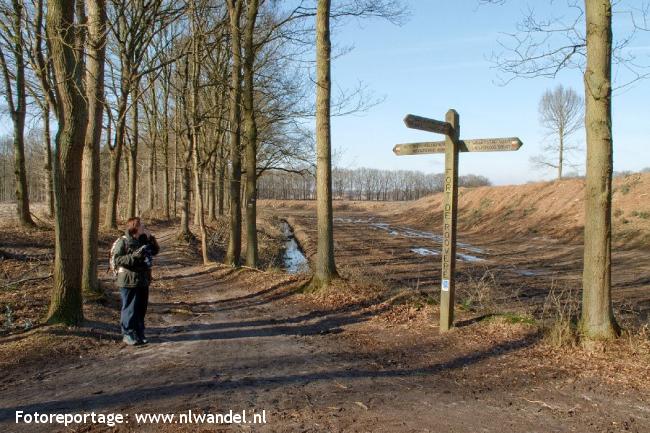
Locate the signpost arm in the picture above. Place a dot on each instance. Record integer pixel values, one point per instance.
(450, 213)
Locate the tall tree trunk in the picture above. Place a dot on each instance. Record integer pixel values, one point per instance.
(560, 163)
(251, 135)
(185, 232)
(110, 220)
(133, 159)
(151, 176)
(234, 244)
(212, 191)
(47, 137)
(199, 200)
(598, 320)
(42, 70)
(20, 171)
(222, 180)
(90, 171)
(194, 128)
(165, 144)
(66, 305)
(197, 205)
(166, 175)
(175, 171)
(325, 267)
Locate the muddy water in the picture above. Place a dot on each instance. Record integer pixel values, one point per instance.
(293, 259)
(407, 232)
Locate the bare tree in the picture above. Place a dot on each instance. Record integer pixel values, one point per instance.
(134, 26)
(543, 48)
(72, 115)
(561, 113)
(197, 35)
(11, 40)
(234, 244)
(94, 82)
(183, 76)
(43, 71)
(251, 132)
(598, 320)
(325, 267)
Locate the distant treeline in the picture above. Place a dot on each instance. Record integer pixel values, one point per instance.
(359, 184)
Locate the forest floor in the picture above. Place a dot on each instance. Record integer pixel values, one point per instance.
(364, 356)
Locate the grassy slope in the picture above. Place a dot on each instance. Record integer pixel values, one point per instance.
(546, 208)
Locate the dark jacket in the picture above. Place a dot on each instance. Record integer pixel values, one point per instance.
(132, 270)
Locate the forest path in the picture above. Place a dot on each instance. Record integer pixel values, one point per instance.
(224, 339)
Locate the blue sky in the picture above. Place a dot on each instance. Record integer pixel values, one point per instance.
(439, 59)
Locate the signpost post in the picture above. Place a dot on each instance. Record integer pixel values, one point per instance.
(451, 148)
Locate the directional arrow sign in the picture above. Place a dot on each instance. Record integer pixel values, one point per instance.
(425, 124)
(479, 145)
(419, 148)
(491, 145)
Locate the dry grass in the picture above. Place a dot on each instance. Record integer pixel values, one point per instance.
(479, 294)
(560, 317)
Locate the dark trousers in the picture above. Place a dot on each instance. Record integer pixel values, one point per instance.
(134, 307)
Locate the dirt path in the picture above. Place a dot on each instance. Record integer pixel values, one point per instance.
(223, 339)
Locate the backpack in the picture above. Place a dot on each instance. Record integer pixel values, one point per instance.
(111, 260)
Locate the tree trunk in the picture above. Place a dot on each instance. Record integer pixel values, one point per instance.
(212, 191)
(194, 137)
(598, 320)
(47, 137)
(194, 134)
(151, 178)
(90, 170)
(234, 243)
(66, 303)
(185, 232)
(110, 221)
(166, 176)
(165, 144)
(20, 171)
(251, 136)
(560, 163)
(325, 267)
(197, 206)
(199, 200)
(133, 159)
(222, 187)
(42, 70)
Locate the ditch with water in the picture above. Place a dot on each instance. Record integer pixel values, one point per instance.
(293, 259)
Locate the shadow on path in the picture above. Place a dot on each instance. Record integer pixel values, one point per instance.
(158, 393)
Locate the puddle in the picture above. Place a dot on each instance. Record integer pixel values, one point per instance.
(410, 233)
(459, 256)
(293, 259)
(425, 252)
(469, 258)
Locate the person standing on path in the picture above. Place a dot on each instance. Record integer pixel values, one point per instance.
(132, 257)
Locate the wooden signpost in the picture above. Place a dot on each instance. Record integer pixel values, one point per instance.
(451, 148)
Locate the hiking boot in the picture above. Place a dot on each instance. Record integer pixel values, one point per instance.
(130, 341)
(143, 340)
